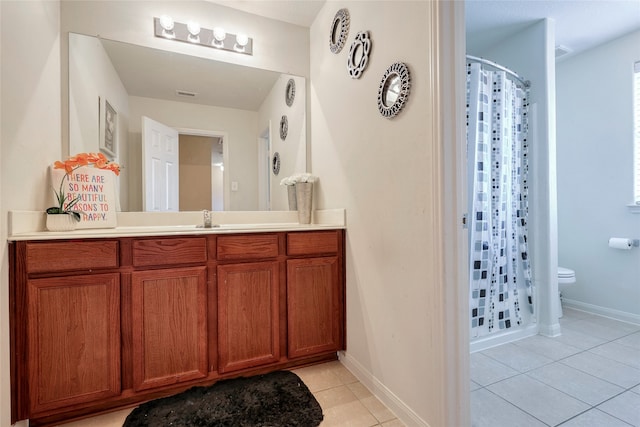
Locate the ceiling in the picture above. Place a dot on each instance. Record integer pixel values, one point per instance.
(160, 74)
(580, 24)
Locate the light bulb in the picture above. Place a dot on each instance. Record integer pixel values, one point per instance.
(242, 39)
(218, 37)
(194, 28)
(219, 34)
(166, 22)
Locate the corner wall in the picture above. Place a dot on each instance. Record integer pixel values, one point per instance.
(595, 178)
(388, 175)
(293, 149)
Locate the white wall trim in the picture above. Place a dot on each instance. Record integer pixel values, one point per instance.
(622, 316)
(551, 330)
(386, 396)
(449, 136)
(490, 341)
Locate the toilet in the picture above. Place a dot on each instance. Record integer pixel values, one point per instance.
(566, 277)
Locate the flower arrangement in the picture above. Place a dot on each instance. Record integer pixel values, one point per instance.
(299, 177)
(97, 160)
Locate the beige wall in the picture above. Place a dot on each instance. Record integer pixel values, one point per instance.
(30, 138)
(195, 172)
(277, 46)
(94, 79)
(387, 174)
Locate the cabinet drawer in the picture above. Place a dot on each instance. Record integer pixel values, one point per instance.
(169, 251)
(255, 246)
(312, 243)
(70, 256)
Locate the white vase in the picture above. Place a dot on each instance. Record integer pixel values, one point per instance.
(61, 222)
(291, 194)
(304, 195)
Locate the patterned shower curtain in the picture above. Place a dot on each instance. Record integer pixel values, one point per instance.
(497, 150)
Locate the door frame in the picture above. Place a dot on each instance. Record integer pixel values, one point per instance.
(224, 137)
(449, 130)
(264, 170)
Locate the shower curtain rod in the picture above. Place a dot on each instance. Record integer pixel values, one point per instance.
(525, 83)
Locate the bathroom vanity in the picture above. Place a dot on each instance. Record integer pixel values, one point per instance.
(105, 319)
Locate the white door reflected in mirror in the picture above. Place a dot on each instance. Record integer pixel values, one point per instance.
(159, 166)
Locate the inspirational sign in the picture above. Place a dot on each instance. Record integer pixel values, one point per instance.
(95, 190)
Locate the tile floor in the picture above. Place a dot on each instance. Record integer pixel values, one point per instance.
(344, 400)
(588, 377)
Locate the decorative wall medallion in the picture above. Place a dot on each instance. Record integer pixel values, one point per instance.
(284, 127)
(275, 163)
(290, 92)
(359, 54)
(394, 90)
(339, 31)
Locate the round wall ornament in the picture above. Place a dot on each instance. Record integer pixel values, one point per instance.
(284, 127)
(359, 54)
(394, 89)
(290, 92)
(275, 163)
(339, 31)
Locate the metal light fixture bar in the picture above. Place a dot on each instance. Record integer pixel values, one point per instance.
(180, 32)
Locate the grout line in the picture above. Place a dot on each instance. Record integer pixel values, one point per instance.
(560, 360)
(517, 407)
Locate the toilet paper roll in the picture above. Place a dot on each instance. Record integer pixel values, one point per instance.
(620, 243)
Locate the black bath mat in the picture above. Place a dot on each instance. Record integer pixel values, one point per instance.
(271, 400)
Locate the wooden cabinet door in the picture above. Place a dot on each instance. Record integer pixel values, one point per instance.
(314, 306)
(169, 323)
(248, 315)
(74, 340)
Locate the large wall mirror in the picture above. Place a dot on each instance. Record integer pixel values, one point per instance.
(225, 116)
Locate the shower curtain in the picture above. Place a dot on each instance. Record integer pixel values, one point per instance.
(497, 150)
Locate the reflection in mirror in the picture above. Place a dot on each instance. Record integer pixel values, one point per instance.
(239, 108)
(335, 30)
(391, 90)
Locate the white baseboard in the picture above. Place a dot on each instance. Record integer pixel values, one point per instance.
(623, 316)
(493, 340)
(386, 396)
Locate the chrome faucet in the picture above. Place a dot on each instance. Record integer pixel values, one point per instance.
(207, 218)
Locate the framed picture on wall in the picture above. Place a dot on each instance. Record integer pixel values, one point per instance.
(109, 130)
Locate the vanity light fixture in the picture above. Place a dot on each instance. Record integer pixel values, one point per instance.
(193, 33)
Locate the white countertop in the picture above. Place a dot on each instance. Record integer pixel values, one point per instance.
(30, 225)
